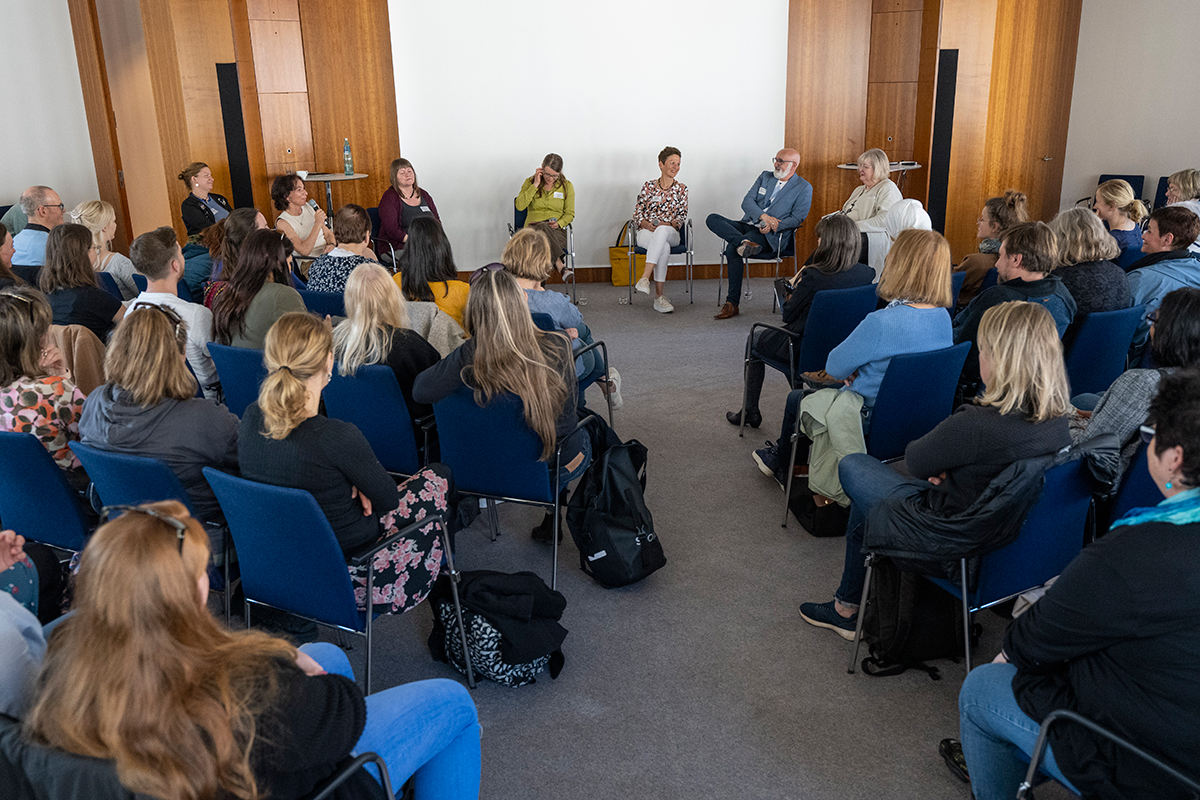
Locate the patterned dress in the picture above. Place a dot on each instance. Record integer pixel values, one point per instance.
(47, 407)
(410, 562)
(667, 206)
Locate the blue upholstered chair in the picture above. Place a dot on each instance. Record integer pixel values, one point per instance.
(1096, 356)
(109, 284)
(372, 401)
(35, 499)
(545, 322)
(1137, 489)
(956, 284)
(324, 303)
(241, 371)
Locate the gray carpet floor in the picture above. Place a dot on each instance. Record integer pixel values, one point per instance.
(701, 681)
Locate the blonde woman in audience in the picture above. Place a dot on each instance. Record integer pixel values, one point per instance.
(37, 394)
(998, 215)
(68, 279)
(1183, 186)
(284, 441)
(101, 219)
(549, 198)
(178, 706)
(1085, 263)
(376, 331)
(507, 355)
(1021, 415)
(1120, 210)
(301, 223)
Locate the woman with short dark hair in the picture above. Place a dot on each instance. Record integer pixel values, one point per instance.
(658, 217)
(302, 224)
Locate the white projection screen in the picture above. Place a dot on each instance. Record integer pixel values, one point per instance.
(484, 90)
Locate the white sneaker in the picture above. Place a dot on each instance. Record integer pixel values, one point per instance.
(614, 389)
(663, 305)
(643, 286)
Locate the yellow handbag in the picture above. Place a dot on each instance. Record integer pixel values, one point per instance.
(618, 259)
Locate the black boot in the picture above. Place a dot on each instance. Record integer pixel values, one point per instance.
(753, 418)
(545, 529)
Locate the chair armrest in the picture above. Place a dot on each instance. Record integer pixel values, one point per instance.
(511, 230)
(366, 552)
(583, 423)
(779, 328)
(589, 348)
(350, 769)
(427, 422)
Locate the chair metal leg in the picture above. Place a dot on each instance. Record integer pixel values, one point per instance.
(493, 517)
(370, 613)
(746, 293)
(966, 604)
(774, 296)
(246, 610)
(557, 521)
(791, 470)
(228, 603)
(455, 576)
(862, 611)
(745, 386)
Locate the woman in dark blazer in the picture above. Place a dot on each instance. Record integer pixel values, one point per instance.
(203, 207)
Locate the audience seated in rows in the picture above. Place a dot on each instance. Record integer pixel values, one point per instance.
(302, 224)
(158, 257)
(401, 203)
(916, 287)
(234, 230)
(1027, 257)
(998, 215)
(376, 331)
(258, 294)
(548, 199)
(37, 395)
(352, 227)
(427, 272)
(148, 406)
(68, 279)
(528, 258)
(1021, 415)
(101, 219)
(1085, 253)
(283, 441)
(1168, 265)
(1175, 344)
(7, 276)
(1122, 213)
(203, 207)
(659, 214)
(507, 355)
(247, 715)
(1114, 639)
(44, 210)
(835, 266)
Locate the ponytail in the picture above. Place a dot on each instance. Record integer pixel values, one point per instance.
(297, 348)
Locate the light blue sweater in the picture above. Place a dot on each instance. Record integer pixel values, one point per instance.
(891, 331)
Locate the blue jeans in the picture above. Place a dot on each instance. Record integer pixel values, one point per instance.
(734, 233)
(578, 442)
(867, 481)
(426, 729)
(590, 366)
(997, 736)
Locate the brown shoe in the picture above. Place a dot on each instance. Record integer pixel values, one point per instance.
(728, 311)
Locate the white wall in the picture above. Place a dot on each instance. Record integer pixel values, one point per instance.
(1134, 107)
(485, 89)
(44, 137)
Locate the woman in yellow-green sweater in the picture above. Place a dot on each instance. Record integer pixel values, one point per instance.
(550, 200)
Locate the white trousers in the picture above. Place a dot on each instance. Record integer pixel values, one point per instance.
(658, 244)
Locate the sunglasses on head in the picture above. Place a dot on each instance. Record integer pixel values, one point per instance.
(180, 528)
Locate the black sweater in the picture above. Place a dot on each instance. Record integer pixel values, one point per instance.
(795, 309)
(973, 446)
(327, 457)
(197, 215)
(1117, 638)
(409, 356)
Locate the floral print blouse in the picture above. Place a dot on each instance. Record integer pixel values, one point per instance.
(667, 206)
(47, 407)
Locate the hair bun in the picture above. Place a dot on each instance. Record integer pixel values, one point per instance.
(1013, 198)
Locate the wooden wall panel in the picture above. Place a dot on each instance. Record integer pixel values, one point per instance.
(895, 47)
(243, 54)
(891, 112)
(826, 106)
(917, 181)
(272, 9)
(279, 56)
(351, 97)
(968, 26)
(286, 132)
(102, 124)
(170, 110)
(884, 6)
(1033, 73)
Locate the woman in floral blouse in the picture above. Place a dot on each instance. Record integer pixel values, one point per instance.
(37, 394)
(661, 210)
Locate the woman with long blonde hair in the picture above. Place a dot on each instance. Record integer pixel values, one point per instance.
(376, 331)
(1021, 414)
(1119, 209)
(507, 355)
(101, 219)
(283, 441)
(142, 675)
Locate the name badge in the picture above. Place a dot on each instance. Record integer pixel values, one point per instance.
(425, 209)
(762, 190)
(558, 195)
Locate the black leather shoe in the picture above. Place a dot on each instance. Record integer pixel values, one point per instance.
(753, 419)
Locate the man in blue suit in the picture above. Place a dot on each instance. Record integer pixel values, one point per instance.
(775, 207)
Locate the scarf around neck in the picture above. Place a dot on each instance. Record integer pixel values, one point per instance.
(1182, 509)
(989, 246)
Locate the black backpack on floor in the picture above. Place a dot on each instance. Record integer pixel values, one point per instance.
(607, 515)
(908, 621)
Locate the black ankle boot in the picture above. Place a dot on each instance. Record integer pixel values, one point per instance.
(753, 419)
(545, 529)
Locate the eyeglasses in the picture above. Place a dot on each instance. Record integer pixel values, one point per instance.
(59, 206)
(180, 528)
(778, 161)
(171, 314)
(1147, 432)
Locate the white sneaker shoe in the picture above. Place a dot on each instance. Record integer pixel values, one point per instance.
(663, 305)
(643, 286)
(614, 389)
